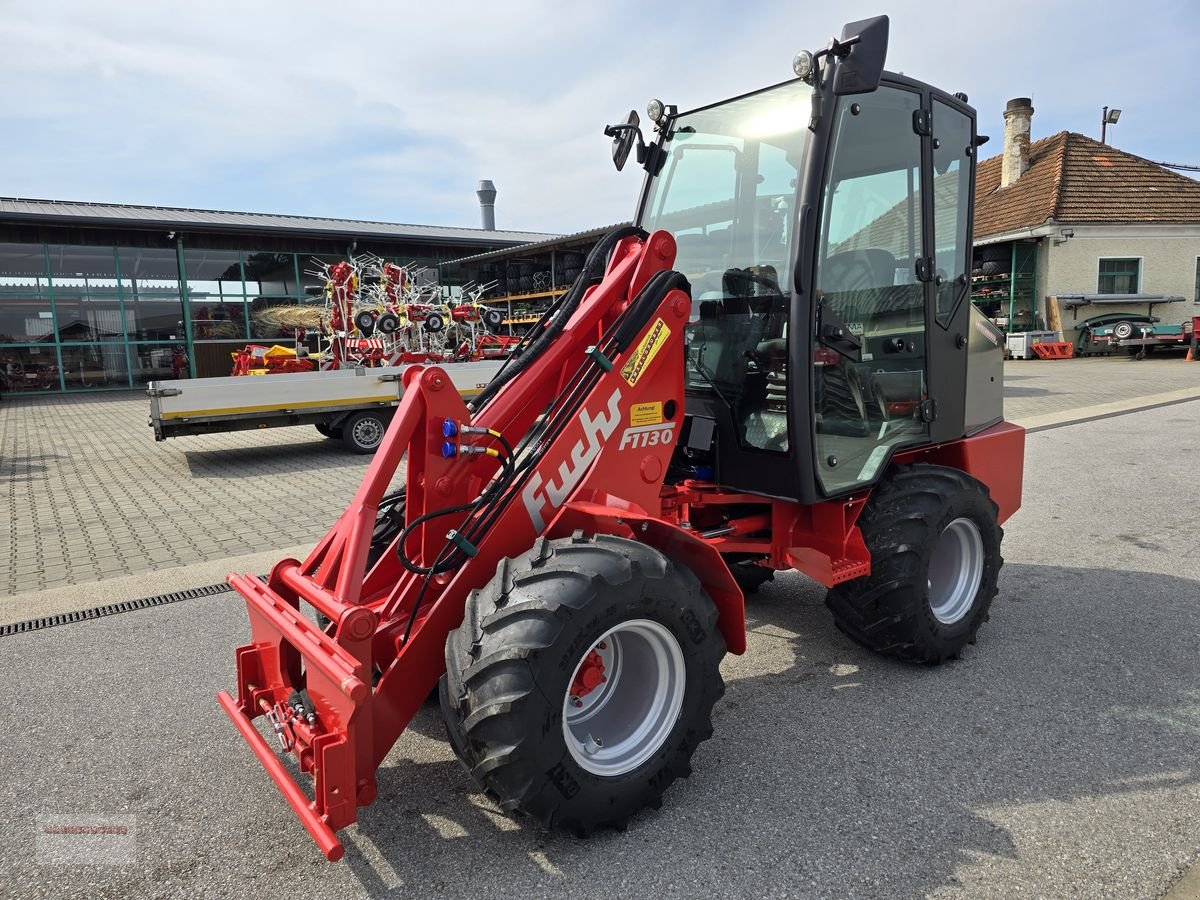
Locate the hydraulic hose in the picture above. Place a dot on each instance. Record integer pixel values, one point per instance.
(483, 512)
(593, 268)
(619, 334)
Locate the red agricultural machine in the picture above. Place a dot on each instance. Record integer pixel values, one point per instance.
(778, 367)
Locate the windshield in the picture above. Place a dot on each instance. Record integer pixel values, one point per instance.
(728, 195)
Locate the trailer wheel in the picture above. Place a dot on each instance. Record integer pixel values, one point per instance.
(582, 680)
(327, 430)
(364, 431)
(934, 538)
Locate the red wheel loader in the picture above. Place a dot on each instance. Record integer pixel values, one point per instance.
(777, 367)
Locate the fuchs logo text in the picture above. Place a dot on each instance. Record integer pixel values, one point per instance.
(596, 430)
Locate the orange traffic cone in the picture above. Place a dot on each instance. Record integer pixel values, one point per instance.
(1190, 356)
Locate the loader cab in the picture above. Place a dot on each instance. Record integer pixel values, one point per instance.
(829, 278)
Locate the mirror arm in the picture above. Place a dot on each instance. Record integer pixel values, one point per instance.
(613, 131)
(656, 158)
(841, 49)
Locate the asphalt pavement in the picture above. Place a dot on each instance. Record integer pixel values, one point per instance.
(1060, 757)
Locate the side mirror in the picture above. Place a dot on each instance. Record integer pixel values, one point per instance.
(859, 70)
(624, 137)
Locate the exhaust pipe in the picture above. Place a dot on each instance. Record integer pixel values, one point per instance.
(486, 192)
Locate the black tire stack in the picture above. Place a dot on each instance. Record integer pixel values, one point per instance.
(993, 259)
(570, 264)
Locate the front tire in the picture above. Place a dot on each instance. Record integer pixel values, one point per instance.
(934, 538)
(582, 680)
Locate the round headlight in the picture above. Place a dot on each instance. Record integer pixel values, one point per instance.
(655, 110)
(802, 63)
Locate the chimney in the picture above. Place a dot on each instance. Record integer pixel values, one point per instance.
(1017, 116)
(487, 197)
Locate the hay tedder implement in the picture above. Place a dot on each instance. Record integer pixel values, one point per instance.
(778, 367)
(378, 314)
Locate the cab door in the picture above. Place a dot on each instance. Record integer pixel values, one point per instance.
(872, 289)
(948, 274)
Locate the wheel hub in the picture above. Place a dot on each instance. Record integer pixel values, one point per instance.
(624, 698)
(590, 675)
(368, 432)
(955, 571)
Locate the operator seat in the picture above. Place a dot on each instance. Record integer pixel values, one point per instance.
(854, 270)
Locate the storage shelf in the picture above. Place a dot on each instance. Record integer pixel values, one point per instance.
(517, 298)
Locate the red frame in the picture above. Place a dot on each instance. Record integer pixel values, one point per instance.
(596, 477)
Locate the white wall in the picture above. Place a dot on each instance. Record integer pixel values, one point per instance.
(1168, 254)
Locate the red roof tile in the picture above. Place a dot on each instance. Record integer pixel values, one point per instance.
(1074, 179)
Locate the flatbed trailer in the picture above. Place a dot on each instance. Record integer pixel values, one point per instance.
(1149, 336)
(352, 404)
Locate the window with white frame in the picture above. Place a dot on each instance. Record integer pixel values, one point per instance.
(1118, 276)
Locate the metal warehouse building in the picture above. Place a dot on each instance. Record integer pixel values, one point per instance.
(110, 296)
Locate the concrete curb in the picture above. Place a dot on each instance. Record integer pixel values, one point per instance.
(76, 597)
(1103, 410)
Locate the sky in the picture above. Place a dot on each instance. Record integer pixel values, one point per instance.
(394, 111)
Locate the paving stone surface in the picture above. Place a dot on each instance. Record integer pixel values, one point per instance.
(1041, 387)
(88, 495)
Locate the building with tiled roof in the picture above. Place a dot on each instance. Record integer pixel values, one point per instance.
(1067, 228)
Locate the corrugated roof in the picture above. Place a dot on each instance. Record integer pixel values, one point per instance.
(579, 237)
(15, 209)
(1073, 179)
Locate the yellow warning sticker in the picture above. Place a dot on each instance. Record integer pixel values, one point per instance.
(645, 352)
(646, 413)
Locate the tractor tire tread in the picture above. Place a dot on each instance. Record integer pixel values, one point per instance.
(887, 611)
(496, 711)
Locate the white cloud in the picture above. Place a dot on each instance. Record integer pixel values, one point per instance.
(395, 111)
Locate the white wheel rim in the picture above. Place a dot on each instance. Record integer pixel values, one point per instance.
(619, 723)
(955, 571)
(368, 432)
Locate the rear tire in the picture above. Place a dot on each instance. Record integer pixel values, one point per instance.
(516, 699)
(389, 522)
(327, 430)
(934, 538)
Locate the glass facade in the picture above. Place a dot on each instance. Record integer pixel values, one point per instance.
(82, 317)
(153, 294)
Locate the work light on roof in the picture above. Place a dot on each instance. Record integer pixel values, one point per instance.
(802, 64)
(655, 110)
